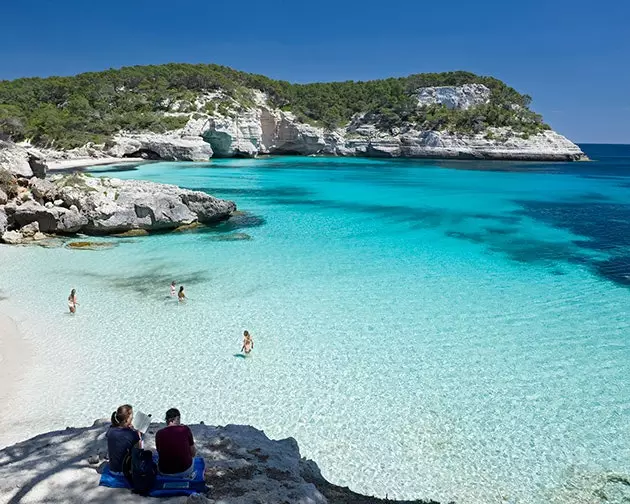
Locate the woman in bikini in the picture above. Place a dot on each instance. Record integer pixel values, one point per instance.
(248, 343)
(72, 301)
(180, 295)
(173, 288)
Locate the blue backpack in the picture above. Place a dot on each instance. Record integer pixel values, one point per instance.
(143, 471)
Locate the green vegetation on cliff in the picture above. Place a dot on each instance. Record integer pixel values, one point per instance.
(70, 111)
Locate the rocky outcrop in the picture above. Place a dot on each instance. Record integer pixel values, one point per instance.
(37, 164)
(496, 143)
(280, 133)
(21, 162)
(68, 204)
(14, 160)
(112, 206)
(3, 221)
(50, 219)
(454, 97)
(172, 147)
(243, 466)
(230, 137)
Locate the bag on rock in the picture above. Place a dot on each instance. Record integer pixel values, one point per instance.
(143, 471)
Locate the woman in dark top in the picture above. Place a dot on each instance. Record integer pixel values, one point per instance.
(121, 437)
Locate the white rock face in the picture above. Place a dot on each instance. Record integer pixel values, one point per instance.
(168, 147)
(233, 137)
(14, 159)
(283, 134)
(243, 466)
(12, 237)
(21, 162)
(273, 131)
(454, 97)
(30, 230)
(502, 144)
(3, 221)
(258, 131)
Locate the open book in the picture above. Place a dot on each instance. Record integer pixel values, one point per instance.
(141, 422)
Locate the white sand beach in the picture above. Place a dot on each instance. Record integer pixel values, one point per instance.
(66, 164)
(15, 358)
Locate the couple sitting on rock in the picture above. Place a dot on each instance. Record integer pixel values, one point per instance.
(175, 444)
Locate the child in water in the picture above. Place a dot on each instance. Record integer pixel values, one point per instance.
(173, 289)
(248, 343)
(72, 301)
(180, 295)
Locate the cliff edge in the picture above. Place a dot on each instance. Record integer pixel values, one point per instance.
(243, 466)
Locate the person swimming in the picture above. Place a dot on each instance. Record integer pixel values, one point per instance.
(248, 343)
(173, 288)
(180, 295)
(72, 301)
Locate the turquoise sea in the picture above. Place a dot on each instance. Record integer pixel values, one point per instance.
(424, 329)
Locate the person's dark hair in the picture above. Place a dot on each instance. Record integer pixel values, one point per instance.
(245, 333)
(121, 415)
(73, 292)
(181, 288)
(172, 414)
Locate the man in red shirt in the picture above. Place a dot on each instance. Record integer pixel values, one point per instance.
(175, 446)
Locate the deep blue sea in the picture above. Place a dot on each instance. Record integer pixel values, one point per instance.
(424, 329)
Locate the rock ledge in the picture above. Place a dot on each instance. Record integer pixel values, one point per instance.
(243, 466)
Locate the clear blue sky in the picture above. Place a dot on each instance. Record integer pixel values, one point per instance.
(571, 56)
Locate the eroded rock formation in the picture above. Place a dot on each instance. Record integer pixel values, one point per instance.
(236, 130)
(262, 129)
(68, 204)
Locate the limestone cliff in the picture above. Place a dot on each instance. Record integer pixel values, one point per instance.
(188, 112)
(262, 129)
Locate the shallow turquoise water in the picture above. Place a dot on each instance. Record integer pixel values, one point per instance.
(446, 330)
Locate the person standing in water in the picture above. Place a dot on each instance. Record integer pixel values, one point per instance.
(180, 295)
(72, 301)
(173, 289)
(248, 343)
